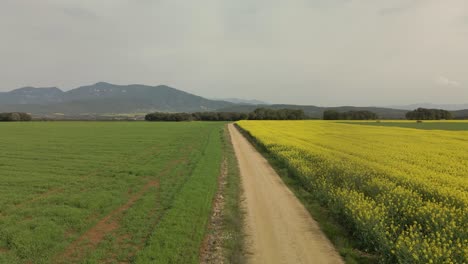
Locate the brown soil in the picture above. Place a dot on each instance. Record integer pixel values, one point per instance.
(211, 251)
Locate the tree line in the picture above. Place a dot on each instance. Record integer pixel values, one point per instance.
(428, 114)
(292, 114)
(257, 114)
(15, 116)
(350, 115)
(280, 114)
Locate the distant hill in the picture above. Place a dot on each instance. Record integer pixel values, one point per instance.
(449, 107)
(461, 114)
(244, 101)
(31, 95)
(105, 98)
(317, 112)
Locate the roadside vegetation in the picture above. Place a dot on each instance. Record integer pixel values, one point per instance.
(224, 240)
(399, 195)
(178, 235)
(106, 192)
(233, 235)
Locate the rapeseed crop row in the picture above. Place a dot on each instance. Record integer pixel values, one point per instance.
(403, 193)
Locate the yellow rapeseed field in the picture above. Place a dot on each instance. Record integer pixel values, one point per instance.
(402, 192)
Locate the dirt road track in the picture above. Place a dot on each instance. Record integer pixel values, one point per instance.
(279, 229)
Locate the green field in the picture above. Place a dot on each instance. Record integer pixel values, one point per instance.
(426, 125)
(112, 192)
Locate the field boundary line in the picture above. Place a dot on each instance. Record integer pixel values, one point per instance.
(211, 250)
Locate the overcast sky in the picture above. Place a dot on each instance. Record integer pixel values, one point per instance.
(321, 52)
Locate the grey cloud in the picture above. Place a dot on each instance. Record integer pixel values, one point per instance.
(401, 6)
(391, 10)
(78, 12)
(465, 19)
(444, 81)
(326, 3)
(323, 52)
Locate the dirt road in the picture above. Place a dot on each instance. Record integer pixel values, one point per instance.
(279, 228)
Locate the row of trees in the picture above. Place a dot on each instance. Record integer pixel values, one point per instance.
(200, 116)
(350, 115)
(290, 114)
(257, 114)
(281, 114)
(428, 114)
(16, 116)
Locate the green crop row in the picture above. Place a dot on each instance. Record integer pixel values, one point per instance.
(93, 192)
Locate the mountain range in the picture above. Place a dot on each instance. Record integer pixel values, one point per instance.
(244, 101)
(102, 98)
(105, 98)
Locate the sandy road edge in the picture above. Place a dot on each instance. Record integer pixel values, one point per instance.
(211, 250)
(224, 240)
(278, 227)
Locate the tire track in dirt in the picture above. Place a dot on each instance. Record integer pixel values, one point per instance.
(279, 229)
(109, 223)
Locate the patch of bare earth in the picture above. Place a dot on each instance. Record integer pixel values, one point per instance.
(106, 225)
(211, 251)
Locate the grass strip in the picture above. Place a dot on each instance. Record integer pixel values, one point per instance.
(233, 214)
(178, 236)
